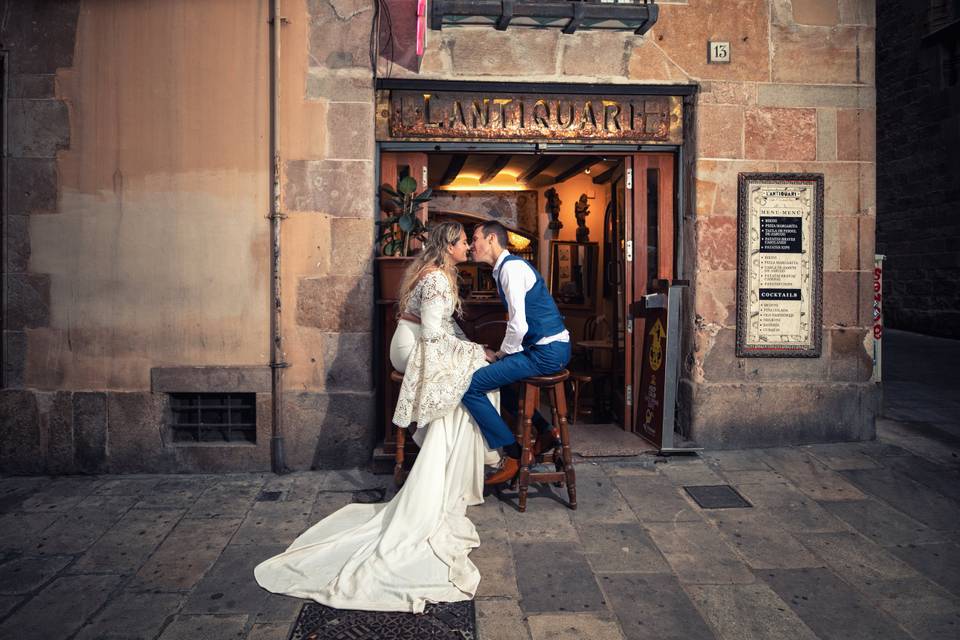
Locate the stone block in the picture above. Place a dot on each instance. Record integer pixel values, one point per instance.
(25, 575)
(620, 547)
(252, 379)
(336, 187)
(649, 63)
(349, 86)
(720, 131)
(656, 499)
(32, 185)
(17, 254)
(789, 369)
(186, 627)
(573, 626)
(683, 31)
(719, 360)
(841, 244)
(812, 54)
(138, 440)
(186, 555)
(501, 619)
(41, 36)
(28, 300)
(884, 525)
(826, 134)
(348, 361)
(481, 51)
(849, 359)
(736, 93)
(840, 297)
(697, 555)
(350, 131)
(717, 243)
(824, 13)
(57, 612)
(758, 537)
(867, 244)
(21, 450)
(720, 177)
(14, 358)
(781, 134)
(748, 611)
(37, 128)
(129, 543)
(555, 577)
(329, 430)
(915, 500)
(596, 54)
(664, 611)
(857, 134)
(33, 86)
(90, 431)
(815, 95)
(132, 614)
(61, 457)
(227, 587)
(716, 297)
(352, 253)
(340, 33)
(336, 303)
(862, 12)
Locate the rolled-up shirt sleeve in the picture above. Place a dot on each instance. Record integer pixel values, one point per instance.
(516, 279)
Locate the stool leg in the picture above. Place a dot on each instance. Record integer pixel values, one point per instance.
(575, 384)
(531, 398)
(398, 475)
(565, 440)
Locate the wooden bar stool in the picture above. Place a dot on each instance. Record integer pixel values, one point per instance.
(400, 437)
(530, 400)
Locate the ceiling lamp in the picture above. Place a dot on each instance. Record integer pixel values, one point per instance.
(517, 241)
(624, 15)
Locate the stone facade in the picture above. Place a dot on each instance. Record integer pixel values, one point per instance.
(88, 363)
(918, 194)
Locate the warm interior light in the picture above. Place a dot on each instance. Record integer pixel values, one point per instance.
(518, 241)
(503, 181)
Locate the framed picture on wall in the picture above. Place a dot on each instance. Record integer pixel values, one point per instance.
(573, 273)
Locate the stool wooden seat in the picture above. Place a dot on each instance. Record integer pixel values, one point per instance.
(400, 436)
(530, 400)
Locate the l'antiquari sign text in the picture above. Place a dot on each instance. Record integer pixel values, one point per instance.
(443, 115)
(779, 266)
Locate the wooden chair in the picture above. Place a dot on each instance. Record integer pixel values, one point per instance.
(400, 436)
(584, 371)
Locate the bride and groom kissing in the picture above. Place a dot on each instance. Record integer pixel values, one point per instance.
(412, 550)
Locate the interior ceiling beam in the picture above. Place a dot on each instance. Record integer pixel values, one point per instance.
(495, 167)
(538, 167)
(586, 163)
(607, 175)
(457, 161)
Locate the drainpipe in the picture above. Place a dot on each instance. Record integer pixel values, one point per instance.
(277, 364)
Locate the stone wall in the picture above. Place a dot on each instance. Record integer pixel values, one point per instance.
(918, 159)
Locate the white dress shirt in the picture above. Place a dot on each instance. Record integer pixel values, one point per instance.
(516, 278)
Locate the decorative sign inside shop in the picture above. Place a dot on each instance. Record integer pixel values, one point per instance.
(779, 265)
(445, 115)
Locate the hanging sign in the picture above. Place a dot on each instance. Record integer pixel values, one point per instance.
(779, 265)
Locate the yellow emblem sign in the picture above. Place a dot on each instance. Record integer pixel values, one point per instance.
(657, 334)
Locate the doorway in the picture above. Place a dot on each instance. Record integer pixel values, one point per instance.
(598, 225)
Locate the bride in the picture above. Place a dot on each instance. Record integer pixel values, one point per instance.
(401, 555)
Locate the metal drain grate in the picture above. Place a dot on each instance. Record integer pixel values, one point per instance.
(717, 496)
(445, 621)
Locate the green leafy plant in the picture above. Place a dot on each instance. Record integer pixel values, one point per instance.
(401, 224)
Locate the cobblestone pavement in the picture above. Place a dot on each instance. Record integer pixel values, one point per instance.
(851, 541)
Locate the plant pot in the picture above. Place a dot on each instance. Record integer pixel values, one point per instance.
(390, 270)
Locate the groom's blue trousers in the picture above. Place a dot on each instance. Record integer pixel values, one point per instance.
(536, 360)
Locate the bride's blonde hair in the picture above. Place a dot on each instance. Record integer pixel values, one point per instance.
(433, 257)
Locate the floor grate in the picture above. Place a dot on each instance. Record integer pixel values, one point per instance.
(717, 496)
(444, 621)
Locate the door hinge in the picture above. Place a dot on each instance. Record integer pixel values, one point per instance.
(630, 394)
(629, 248)
(629, 178)
(423, 177)
(629, 325)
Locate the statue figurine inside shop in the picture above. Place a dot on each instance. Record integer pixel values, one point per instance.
(581, 210)
(552, 209)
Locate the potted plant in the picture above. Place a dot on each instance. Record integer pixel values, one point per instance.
(398, 229)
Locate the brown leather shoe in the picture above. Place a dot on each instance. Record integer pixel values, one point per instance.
(509, 468)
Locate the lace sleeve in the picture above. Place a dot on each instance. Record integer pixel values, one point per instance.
(435, 302)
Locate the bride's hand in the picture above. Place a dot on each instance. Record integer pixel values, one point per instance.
(490, 354)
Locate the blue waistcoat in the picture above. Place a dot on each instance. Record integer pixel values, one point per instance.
(543, 317)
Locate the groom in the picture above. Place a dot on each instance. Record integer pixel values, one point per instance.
(536, 343)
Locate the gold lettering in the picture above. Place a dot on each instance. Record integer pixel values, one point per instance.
(588, 117)
(502, 102)
(481, 116)
(426, 113)
(569, 122)
(457, 117)
(608, 107)
(541, 119)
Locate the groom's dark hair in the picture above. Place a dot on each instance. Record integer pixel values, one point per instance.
(496, 229)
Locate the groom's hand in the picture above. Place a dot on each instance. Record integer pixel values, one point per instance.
(490, 354)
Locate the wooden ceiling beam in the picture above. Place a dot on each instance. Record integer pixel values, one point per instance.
(538, 167)
(577, 168)
(607, 175)
(457, 161)
(495, 167)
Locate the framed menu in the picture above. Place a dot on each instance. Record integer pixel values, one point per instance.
(779, 265)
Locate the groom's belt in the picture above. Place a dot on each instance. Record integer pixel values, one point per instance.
(409, 317)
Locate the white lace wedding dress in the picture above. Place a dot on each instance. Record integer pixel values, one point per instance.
(401, 555)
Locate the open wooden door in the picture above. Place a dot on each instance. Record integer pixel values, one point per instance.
(649, 252)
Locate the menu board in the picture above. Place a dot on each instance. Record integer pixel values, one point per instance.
(779, 265)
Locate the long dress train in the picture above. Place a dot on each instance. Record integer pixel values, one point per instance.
(413, 550)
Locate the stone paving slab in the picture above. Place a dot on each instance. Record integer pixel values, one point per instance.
(913, 499)
(74, 532)
(186, 554)
(656, 499)
(796, 512)
(19, 531)
(748, 612)
(227, 499)
(501, 619)
(60, 609)
(940, 562)
(653, 607)
(759, 539)
(494, 560)
(60, 494)
(128, 544)
(132, 615)
(811, 476)
(573, 626)
(598, 499)
(269, 631)
(206, 628)
(626, 547)
(555, 577)
(274, 523)
(21, 575)
(829, 607)
(698, 555)
(227, 587)
(882, 523)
